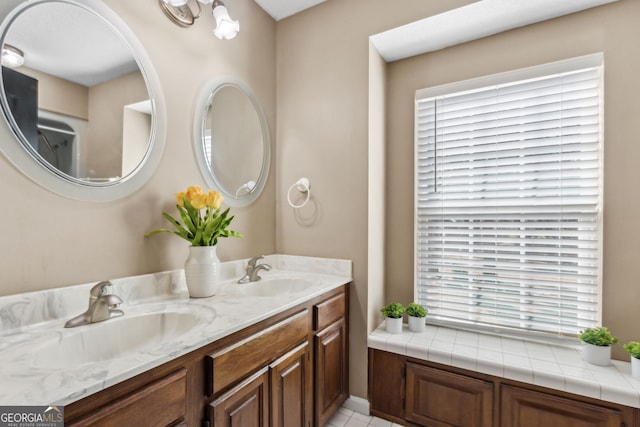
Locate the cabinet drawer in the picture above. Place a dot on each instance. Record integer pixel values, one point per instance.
(234, 362)
(159, 403)
(328, 311)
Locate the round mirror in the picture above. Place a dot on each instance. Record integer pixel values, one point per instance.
(81, 98)
(232, 141)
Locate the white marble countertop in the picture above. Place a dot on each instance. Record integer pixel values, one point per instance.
(551, 365)
(36, 370)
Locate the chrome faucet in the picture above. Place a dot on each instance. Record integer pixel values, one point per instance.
(102, 306)
(253, 268)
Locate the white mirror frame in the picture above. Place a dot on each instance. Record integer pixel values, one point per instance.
(15, 152)
(200, 119)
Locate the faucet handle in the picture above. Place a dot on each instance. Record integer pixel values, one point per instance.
(100, 288)
(253, 261)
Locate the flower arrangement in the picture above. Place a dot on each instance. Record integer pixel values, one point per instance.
(202, 222)
(599, 336)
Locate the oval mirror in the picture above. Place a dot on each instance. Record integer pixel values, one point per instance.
(232, 143)
(80, 97)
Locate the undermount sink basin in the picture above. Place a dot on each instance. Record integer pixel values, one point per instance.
(275, 287)
(116, 338)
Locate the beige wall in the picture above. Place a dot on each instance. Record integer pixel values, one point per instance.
(611, 29)
(60, 96)
(50, 241)
(102, 151)
(322, 133)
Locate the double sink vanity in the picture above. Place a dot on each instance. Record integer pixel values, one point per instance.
(270, 351)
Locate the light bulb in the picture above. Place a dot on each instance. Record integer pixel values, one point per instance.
(226, 28)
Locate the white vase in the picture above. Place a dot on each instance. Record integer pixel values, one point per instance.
(416, 324)
(635, 368)
(393, 325)
(202, 271)
(596, 355)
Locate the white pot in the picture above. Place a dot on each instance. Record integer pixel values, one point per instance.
(202, 271)
(416, 324)
(596, 355)
(635, 368)
(393, 326)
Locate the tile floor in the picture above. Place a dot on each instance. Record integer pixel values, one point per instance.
(348, 418)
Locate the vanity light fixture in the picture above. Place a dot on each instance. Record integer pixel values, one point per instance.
(182, 14)
(12, 57)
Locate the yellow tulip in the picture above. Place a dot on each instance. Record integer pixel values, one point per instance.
(193, 192)
(214, 199)
(179, 198)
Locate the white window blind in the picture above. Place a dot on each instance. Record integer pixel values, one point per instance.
(508, 195)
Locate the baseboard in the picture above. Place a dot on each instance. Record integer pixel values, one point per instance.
(357, 404)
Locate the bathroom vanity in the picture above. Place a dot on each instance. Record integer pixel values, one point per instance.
(273, 352)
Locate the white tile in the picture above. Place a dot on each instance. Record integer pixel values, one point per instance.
(546, 366)
(518, 373)
(379, 422)
(548, 379)
(467, 338)
(464, 360)
(577, 371)
(565, 355)
(516, 360)
(417, 351)
(361, 417)
(356, 423)
(490, 342)
(514, 346)
(539, 351)
(446, 334)
(617, 394)
(339, 419)
(583, 387)
(490, 367)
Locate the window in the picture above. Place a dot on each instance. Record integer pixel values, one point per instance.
(508, 198)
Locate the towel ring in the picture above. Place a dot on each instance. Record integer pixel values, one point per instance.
(303, 186)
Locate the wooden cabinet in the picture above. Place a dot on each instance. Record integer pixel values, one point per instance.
(289, 370)
(332, 357)
(414, 392)
(439, 398)
(245, 405)
(160, 403)
(291, 388)
(526, 408)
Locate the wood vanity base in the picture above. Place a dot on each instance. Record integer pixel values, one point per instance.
(290, 370)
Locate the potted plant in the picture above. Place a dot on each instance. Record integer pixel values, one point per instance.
(203, 223)
(597, 345)
(416, 314)
(633, 347)
(393, 313)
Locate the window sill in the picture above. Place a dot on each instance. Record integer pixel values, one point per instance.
(554, 366)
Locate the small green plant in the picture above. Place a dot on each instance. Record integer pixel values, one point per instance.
(633, 347)
(393, 310)
(599, 336)
(416, 310)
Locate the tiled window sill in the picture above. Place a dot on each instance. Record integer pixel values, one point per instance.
(548, 365)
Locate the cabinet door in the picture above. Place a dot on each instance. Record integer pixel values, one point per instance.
(525, 408)
(291, 388)
(331, 382)
(246, 405)
(159, 403)
(438, 398)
